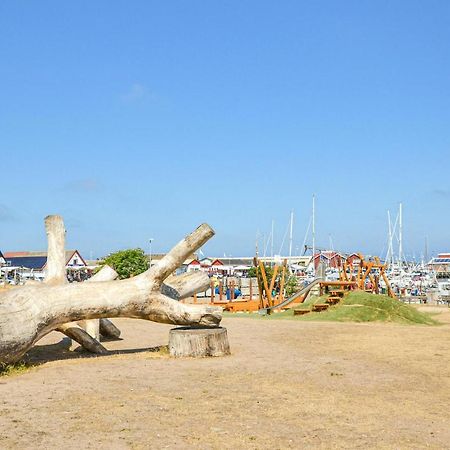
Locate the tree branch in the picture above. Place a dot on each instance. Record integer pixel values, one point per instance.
(55, 270)
(180, 252)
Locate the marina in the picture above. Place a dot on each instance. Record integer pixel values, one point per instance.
(224, 225)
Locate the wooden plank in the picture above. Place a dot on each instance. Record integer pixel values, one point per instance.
(320, 307)
(301, 312)
(338, 283)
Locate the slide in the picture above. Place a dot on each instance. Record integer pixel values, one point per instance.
(292, 298)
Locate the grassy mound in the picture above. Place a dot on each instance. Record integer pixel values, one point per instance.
(359, 306)
(356, 306)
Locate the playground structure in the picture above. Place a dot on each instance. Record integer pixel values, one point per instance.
(267, 291)
(368, 275)
(262, 291)
(231, 297)
(360, 274)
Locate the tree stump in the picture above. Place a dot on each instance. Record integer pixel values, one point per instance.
(198, 342)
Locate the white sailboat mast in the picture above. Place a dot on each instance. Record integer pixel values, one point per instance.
(389, 252)
(400, 235)
(291, 233)
(314, 230)
(256, 244)
(271, 239)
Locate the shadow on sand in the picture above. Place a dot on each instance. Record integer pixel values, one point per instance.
(40, 354)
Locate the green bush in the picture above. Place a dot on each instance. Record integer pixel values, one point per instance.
(128, 263)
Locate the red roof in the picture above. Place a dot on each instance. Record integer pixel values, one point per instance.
(194, 263)
(15, 254)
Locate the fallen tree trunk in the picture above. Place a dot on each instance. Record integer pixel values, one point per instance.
(29, 313)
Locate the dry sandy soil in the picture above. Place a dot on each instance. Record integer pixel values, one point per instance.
(288, 384)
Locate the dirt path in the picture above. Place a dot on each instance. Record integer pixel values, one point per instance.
(288, 384)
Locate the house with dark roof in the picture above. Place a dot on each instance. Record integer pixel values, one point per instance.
(2, 259)
(32, 264)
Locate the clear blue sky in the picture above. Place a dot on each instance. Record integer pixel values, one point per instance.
(143, 119)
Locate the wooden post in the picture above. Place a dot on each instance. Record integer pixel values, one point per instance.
(283, 276)
(220, 290)
(344, 272)
(372, 281)
(366, 274)
(266, 285)
(358, 275)
(251, 290)
(272, 284)
(388, 285)
(232, 290)
(258, 280)
(212, 291)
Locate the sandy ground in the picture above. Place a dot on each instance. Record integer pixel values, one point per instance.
(288, 384)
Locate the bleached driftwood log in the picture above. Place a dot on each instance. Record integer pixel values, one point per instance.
(29, 313)
(87, 332)
(183, 286)
(55, 269)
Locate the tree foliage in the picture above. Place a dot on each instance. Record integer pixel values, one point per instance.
(128, 263)
(290, 283)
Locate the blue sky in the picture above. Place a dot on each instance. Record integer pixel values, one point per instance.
(143, 119)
